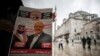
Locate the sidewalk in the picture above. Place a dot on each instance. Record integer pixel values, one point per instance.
(76, 50)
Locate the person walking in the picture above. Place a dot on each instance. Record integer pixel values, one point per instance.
(83, 42)
(72, 42)
(95, 42)
(60, 45)
(89, 42)
(67, 41)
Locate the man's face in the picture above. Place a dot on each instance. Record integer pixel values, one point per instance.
(38, 27)
(35, 15)
(21, 29)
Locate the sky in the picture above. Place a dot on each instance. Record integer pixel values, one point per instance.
(64, 7)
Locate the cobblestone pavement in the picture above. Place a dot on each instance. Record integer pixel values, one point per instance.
(75, 50)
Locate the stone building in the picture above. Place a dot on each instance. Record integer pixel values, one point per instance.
(72, 27)
(92, 28)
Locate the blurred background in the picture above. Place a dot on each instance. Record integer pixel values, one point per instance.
(8, 12)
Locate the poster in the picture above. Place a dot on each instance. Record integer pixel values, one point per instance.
(32, 34)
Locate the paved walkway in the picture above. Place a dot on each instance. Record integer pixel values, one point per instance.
(75, 50)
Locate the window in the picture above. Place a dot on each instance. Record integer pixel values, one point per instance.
(91, 31)
(86, 32)
(97, 37)
(74, 30)
(97, 28)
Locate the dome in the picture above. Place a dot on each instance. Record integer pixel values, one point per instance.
(82, 13)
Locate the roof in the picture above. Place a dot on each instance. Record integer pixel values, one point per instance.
(96, 19)
(82, 12)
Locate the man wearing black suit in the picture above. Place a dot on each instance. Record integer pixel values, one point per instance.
(36, 40)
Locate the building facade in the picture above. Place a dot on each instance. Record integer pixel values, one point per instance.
(92, 28)
(72, 27)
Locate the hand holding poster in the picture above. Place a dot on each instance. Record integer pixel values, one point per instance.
(32, 33)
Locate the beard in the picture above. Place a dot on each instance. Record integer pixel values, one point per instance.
(20, 32)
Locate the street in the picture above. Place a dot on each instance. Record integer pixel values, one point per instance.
(75, 50)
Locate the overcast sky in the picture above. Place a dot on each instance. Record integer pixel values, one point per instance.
(64, 7)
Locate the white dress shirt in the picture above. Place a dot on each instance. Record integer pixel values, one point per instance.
(20, 37)
(34, 40)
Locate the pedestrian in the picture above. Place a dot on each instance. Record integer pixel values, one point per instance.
(67, 41)
(95, 42)
(89, 42)
(72, 42)
(83, 42)
(93, 37)
(60, 44)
